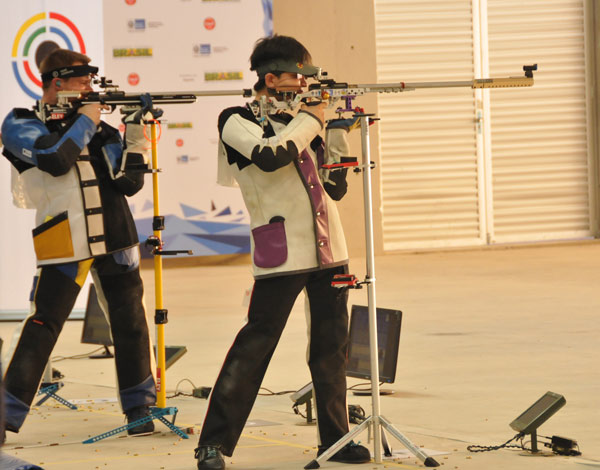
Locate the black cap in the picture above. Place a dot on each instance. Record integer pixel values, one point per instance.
(308, 70)
(69, 71)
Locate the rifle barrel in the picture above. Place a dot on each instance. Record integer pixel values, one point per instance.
(385, 87)
(173, 97)
(476, 83)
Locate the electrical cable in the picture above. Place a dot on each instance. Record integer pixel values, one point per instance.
(178, 393)
(285, 392)
(297, 411)
(478, 448)
(356, 414)
(368, 389)
(76, 356)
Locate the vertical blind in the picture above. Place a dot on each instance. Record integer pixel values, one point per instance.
(540, 171)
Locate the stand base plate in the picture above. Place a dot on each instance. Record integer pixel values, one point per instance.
(382, 391)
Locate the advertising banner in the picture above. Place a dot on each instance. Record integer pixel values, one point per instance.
(191, 46)
(142, 46)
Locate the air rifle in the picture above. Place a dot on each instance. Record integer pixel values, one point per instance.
(332, 91)
(69, 101)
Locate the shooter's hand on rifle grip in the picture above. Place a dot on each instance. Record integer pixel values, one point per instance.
(316, 108)
(93, 111)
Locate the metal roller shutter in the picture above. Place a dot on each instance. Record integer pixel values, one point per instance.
(462, 167)
(429, 162)
(539, 139)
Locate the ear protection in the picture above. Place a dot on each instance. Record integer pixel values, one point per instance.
(58, 83)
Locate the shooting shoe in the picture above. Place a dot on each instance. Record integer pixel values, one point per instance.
(350, 453)
(209, 458)
(136, 413)
(7, 427)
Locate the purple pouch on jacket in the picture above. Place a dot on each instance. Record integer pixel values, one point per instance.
(270, 244)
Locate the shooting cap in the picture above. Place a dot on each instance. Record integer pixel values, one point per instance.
(274, 66)
(69, 72)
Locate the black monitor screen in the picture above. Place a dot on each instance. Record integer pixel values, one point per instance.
(95, 327)
(388, 341)
(172, 354)
(96, 330)
(538, 413)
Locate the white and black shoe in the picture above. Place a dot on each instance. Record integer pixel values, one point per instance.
(209, 458)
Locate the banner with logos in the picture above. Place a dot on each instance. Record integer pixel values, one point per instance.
(191, 46)
(142, 46)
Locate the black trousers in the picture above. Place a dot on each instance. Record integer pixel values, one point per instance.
(120, 287)
(246, 363)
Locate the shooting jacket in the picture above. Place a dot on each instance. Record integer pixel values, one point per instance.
(295, 226)
(65, 170)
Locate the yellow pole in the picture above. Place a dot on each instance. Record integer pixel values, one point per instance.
(161, 399)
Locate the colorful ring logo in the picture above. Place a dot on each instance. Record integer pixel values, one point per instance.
(35, 40)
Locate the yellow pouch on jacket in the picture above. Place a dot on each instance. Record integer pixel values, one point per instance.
(52, 239)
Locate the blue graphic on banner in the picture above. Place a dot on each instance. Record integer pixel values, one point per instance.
(268, 21)
(205, 233)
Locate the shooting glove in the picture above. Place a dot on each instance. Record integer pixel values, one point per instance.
(128, 175)
(347, 124)
(336, 146)
(137, 114)
(126, 167)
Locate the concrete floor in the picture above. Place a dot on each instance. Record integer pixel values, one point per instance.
(485, 333)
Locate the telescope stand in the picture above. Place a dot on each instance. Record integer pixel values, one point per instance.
(160, 313)
(376, 421)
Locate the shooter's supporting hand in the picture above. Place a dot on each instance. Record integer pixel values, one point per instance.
(128, 173)
(145, 111)
(346, 124)
(337, 147)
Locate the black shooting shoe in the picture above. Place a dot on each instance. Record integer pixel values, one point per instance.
(350, 453)
(209, 458)
(7, 427)
(136, 413)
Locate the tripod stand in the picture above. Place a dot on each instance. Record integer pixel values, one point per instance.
(376, 421)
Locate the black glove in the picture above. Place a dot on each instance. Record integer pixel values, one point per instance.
(138, 116)
(336, 185)
(346, 124)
